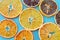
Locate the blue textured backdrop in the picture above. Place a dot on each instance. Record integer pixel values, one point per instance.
(35, 33)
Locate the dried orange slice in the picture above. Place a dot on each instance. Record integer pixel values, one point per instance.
(48, 7)
(31, 19)
(49, 31)
(10, 8)
(8, 28)
(24, 35)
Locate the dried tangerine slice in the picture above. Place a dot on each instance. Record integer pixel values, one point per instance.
(10, 8)
(24, 35)
(48, 7)
(31, 3)
(8, 28)
(31, 19)
(49, 31)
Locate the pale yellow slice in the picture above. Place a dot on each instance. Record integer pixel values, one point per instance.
(31, 19)
(10, 8)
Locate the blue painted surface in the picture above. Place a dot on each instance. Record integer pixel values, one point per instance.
(35, 33)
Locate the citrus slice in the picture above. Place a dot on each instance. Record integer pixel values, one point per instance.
(48, 7)
(31, 19)
(8, 28)
(31, 3)
(49, 31)
(24, 35)
(58, 18)
(10, 8)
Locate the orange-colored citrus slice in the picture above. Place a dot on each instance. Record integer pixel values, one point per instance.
(31, 19)
(49, 31)
(10, 8)
(24, 35)
(8, 28)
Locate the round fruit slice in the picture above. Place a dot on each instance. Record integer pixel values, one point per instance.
(31, 19)
(8, 28)
(24, 35)
(58, 18)
(48, 8)
(10, 8)
(31, 3)
(49, 31)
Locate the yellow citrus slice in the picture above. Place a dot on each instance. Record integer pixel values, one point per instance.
(24, 35)
(8, 28)
(48, 7)
(31, 19)
(10, 8)
(49, 31)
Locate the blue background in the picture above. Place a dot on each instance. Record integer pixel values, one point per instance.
(35, 33)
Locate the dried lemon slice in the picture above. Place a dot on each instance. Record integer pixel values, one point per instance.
(10, 8)
(49, 31)
(31, 19)
(8, 28)
(24, 35)
(48, 7)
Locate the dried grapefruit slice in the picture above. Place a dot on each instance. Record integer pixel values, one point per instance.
(48, 7)
(57, 17)
(31, 3)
